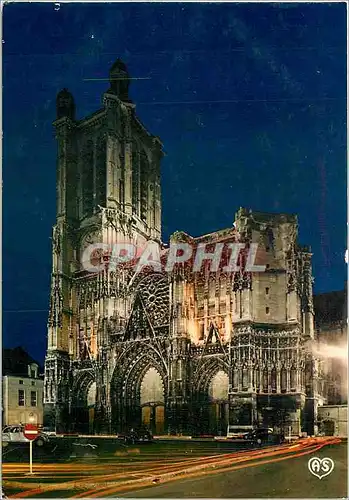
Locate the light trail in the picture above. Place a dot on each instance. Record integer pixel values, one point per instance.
(219, 466)
(90, 480)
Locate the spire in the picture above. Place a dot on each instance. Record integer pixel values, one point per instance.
(119, 80)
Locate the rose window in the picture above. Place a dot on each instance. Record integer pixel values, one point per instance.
(154, 292)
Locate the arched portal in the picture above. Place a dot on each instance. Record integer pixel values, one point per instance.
(219, 405)
(210, 400)
(83, 401)
(152, 400)
(138, 390)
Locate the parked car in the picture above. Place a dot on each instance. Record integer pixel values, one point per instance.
(235, 432)
(138, 435)
(3, 495)
(264, 435)
(15, 434)
(49, 431)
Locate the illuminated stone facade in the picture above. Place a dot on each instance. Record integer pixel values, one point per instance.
(331, 333)
(182, 351)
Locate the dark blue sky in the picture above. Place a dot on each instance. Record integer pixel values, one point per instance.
(248, 99)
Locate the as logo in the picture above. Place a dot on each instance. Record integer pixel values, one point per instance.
(320, 467)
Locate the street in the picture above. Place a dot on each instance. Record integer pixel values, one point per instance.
(96, 468)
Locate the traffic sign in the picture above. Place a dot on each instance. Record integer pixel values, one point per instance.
(31, 431)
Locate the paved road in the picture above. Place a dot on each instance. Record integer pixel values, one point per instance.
(160, 470)
(284, 479)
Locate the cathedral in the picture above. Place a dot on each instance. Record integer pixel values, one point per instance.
(181, 351)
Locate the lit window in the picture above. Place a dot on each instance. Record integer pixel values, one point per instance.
(202, 331)
(21, 397)
(33, 398)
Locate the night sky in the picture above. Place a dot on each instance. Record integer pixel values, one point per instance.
(249, 101)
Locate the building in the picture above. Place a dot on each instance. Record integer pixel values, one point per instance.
(22, 388)
(181, 351)
(331, 333)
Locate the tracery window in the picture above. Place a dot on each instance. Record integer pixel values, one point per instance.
(135, 180)
(87, 179)
(235, 379)
(273, 379)
(265, 380)
(244, 378)
(121, 192)
(257, 380)
(101, 172)
(201, 330)
(154, 292)
(283, 379)
(144, 173)
(293, 378)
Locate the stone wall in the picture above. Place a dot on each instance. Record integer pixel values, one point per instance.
(333, 417)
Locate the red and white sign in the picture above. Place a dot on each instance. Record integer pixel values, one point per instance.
(31, 431)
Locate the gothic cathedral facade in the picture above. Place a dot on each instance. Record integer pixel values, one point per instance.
(182, 351)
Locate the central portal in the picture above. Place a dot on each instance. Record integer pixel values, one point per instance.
(153, 401)
(219, 405)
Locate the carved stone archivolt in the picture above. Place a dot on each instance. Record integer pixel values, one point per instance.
(128, 374)
(79, 389)
(203, 372)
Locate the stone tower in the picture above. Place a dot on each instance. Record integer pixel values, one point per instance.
(108, 190)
